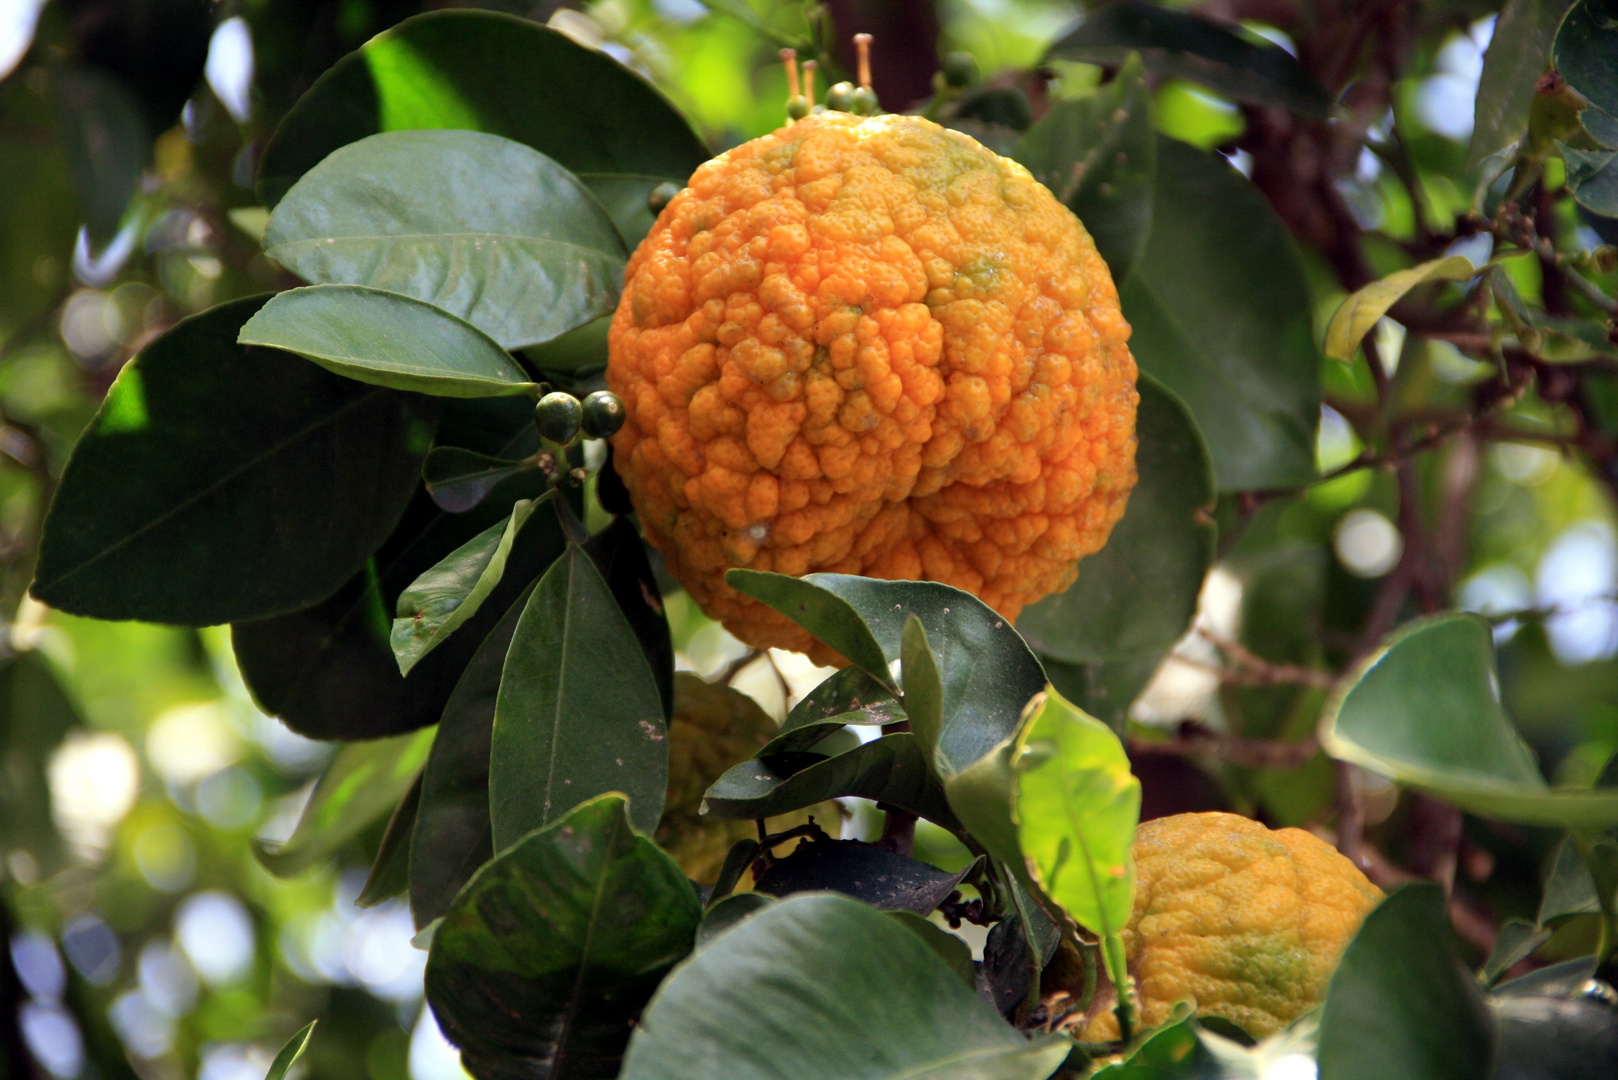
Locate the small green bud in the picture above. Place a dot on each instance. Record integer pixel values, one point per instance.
(660, 197)
(798, 107)
(840, 98)
(960, 69)
(558, 416)
(863, 101)
(603, 414)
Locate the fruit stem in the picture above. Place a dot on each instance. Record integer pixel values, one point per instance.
(809, 67)
(862, 42)
(789, 58)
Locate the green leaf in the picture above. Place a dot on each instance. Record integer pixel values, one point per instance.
(1221, 312)
(1519, 939)
(219, 483)
(1189, 46)
(890, 769)
(1098, 154)
(728, 913)
(822, 986)
(1569, 890)
(924, 692)
(1592, 177)
(1586, 52)
(486, 228)
(1077, 804)
(443, 598)
(869, 874)
(579, 713)
(481, 71)
(453, 834)
(1360, 311)
(386, 339)
(390, 870)
(291, 1052)
(1104, 689)
(1424, 709)
(544, 960)
(106, 140)
(1135, 597)
(1517, 55)
(1558, 980)
(1568, 1038)
(329, 671)
(620, 555)
(1401, 1004)
(363, 782)
(945, 945)
(1172, 1052)
(458, 479)
(988, 673)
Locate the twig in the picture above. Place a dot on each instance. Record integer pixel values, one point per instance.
(1254, 670)
(1236, 749)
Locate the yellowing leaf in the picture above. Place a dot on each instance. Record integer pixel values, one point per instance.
(1364, 307)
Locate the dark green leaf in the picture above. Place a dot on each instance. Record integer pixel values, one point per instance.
(1136, 596)
(106, 141)
(1550, 1038)
(729, 913)
(1586, 52)
(444, 597)
(1190, 46)
(329, 671)
(1220, 307)
(1571, 888)
(1401, 990)
(620, 555)
(1558, 980)
(386, 339)
(1098, 155)
(822, 986)
(945, 945)
(890, 770)
(822, 612)
(1173, 1052)
(576, 349)
(1519, 939)
(1518, 53)
(1425, 710)
(458, 479)
(220, 483)
(738, 860)
(390, 870)
(924, 692)
(579, 712)
(869, 874)
(507, 76)
(291, 1052)
(453, 834)
(1105, 690)
(481, 226)
(1592, 176)
(849, 691)
(363, 782)
(544, 960)
(1601, 126)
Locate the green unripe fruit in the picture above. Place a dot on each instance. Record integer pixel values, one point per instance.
(840, 98)
(559, 416)
(863, 101)
(798, 107)
(660, 197)
(960, 69)
(603, 414)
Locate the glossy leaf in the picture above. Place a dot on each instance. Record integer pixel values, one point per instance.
(1172, 1052)
(822, 612)
(1518, 53)
(1401, 989)
(869, 874)
(890, 769)
(730, 913)
(453, 835)
(1558, 980)
(386, 339)
(620, 555)
(1592, 176)
(329, 671)
(1135, 597)
(1077, 804)
(219, 483)
(1518, 940)
(481, 226)
(290, 1052)
(544, 960)
(829, 988)
(481, 71)
(945, 945)
(1566, 1038)
(1190, 46)
(458, 479)
(390, 870)
(1098, 154)
(444, 597)
(1586, 52)
(579, 713)
(1358, 313)
(363, 782)
(1221, 314)
(1424, 710)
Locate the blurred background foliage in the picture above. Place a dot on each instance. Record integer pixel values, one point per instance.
(135, 772)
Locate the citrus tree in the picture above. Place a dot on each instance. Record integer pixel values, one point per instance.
(543, 383)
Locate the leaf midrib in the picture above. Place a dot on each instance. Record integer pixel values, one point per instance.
(320, 242)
